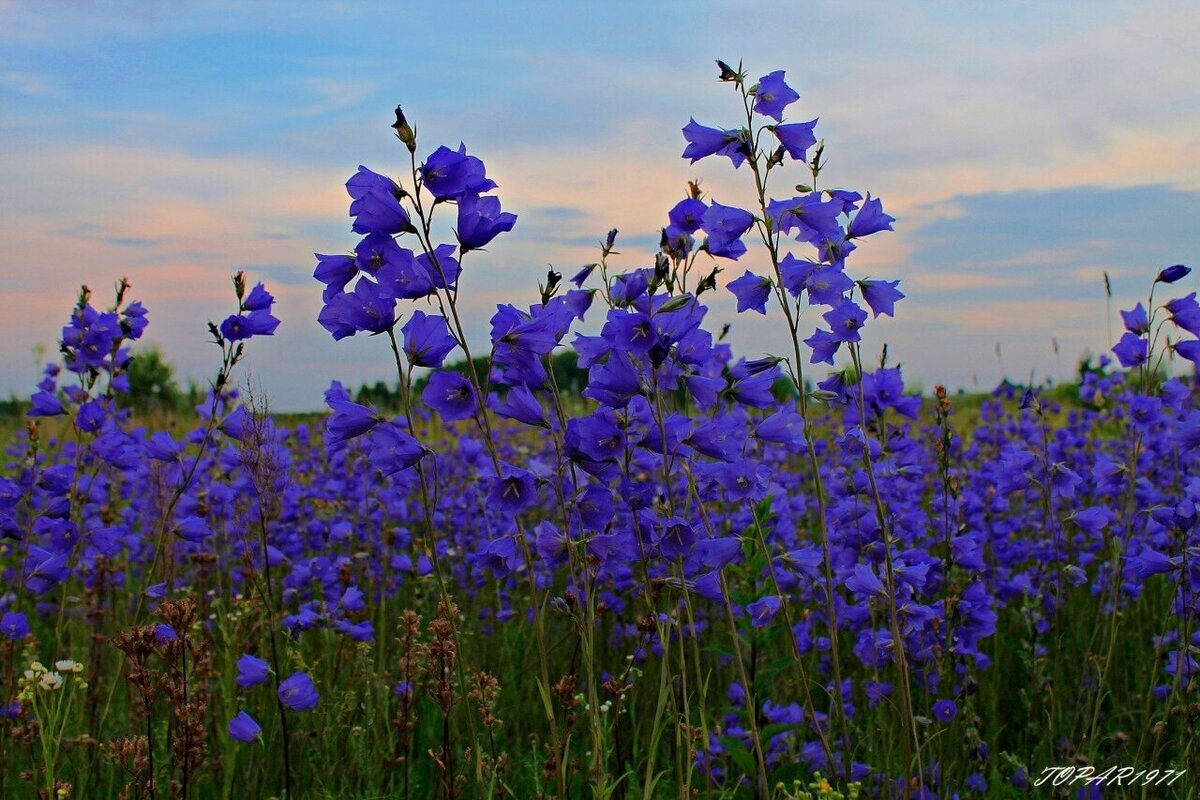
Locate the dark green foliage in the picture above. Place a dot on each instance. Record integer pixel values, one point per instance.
(152, 385)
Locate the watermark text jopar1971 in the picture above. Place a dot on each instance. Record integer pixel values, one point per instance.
(1112, 776)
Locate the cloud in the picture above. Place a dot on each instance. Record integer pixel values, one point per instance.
(1020, 269)
(1045, 241)
(29, 83)
(287, 274)
(1024, 151)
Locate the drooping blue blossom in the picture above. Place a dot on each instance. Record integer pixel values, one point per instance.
(824, 346)
(773, 95)
(239, 327)
(450, 394)
(763, 610)
(14, 625)
(480, 220)
(134, 320)
(869, 219)
(1185, 313)
(521, 404)
(297, 692)
(1131, 350)
(237, 425)
(865, 581)
(580, 277)
(629, 287)
(349, 420)
(597, 437)
(784, 427)
(725, 226)
(401, 277)
(945, 710)
(450, 174)
(752, 292)
(796, 138)
(704, 142)
(688, 215)
(243, 728)
(376, 250)
(193, 529)
(45, 569)
(881, 296)
(252, 671)
(513, 491)
(258, 299)
(45, 404)
(1136, 319)
(90, 417)
(366, 308)
(810, 217)
(161, 447)
(441, 266)
(1188, 349)
(427, 340)
(375, 204)
(1173, 273)
(845, 320)
(827, 286)
(335, 271)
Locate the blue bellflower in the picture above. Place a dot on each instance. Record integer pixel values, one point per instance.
(252, 671)
(752, 292)
(375, 204)
(773, 95)
(796, 138)
(725, 226)
(480, 220)
(704, 142)
(427, 340)
(243, 728)
(297, 692)
(881, 296)
(449, 175)
(450, 394)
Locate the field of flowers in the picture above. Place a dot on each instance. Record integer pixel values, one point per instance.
(706, 575)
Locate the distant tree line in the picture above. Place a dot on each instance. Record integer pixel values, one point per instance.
(153, 386)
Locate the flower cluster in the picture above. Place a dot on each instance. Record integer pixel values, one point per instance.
(799, 574)
(1143, 331)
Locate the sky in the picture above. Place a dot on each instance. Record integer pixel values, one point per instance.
(1025, 149)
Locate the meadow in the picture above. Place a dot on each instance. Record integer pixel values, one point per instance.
(694, 574)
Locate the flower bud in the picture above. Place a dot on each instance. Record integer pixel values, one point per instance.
(1172, 274)
(675, 303)
(404, 131)
(708, 282)
(610, 240)
(662, 267)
